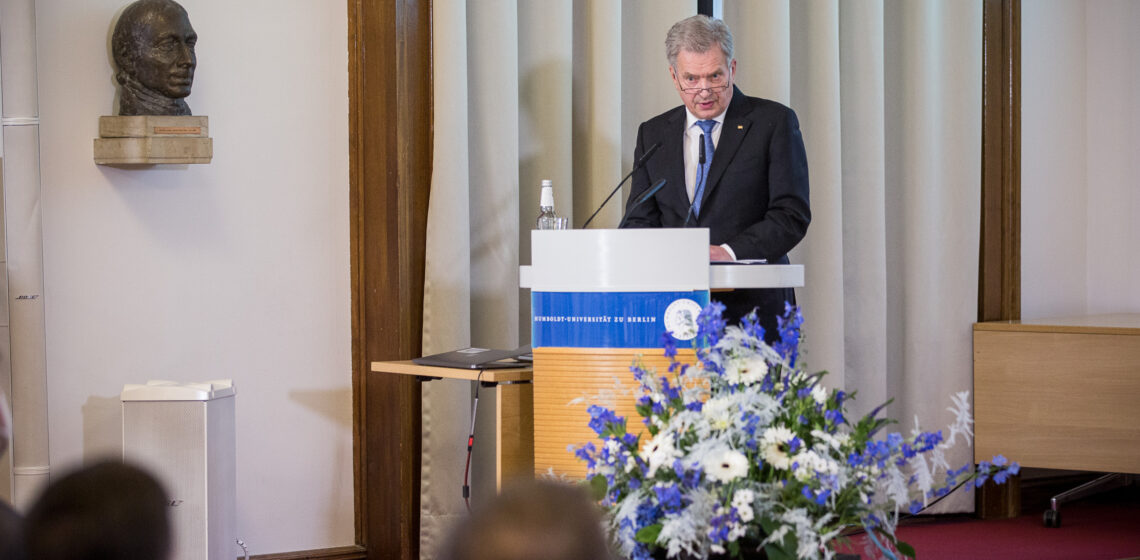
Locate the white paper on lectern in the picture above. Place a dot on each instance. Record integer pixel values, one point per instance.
(619, 260)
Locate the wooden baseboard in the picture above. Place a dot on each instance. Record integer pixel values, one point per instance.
(339, 553)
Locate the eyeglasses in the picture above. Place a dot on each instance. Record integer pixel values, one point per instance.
(718, 84)
(710, 89)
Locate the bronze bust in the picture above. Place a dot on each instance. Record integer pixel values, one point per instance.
(153, 46)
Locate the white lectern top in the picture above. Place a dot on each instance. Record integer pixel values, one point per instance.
(618, 260)
(636, 260)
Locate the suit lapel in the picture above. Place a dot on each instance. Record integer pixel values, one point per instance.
(674, 149)
(734, 129)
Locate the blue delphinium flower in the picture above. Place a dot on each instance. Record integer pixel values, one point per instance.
(817, 496)
(710, 324)
(669, 344)
(601, 418)
(894, 440)
(926, 441)
(789, 328)
(1000, 469)
(587, 453)
(692, 477)
(670, 391)
(721, 525)
(669, 496)
(751, 325)
(794, 444)
(797, 462)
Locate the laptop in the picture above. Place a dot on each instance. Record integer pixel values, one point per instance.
(477, 358)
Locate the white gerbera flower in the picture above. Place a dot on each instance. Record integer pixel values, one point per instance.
(659, 451)
(718, 413)
(775, 445)
(726, 466)
(749, 371)
(774, 455)
(778, 433)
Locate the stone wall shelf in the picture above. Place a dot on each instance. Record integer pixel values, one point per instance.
(153, 139)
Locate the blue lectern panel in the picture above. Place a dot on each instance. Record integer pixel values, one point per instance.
(614, 319)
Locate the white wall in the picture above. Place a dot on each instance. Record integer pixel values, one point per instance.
(237, 269)
(1113, 73)
(1080, 178)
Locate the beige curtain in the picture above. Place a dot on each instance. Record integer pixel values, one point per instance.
(888, 94)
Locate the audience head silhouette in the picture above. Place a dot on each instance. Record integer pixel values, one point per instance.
(11, 525)
(549, 520)
(108, 511)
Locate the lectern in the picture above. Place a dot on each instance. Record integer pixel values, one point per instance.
(601, 299)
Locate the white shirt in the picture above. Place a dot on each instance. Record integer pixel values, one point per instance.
(692, 148)
(692, 151)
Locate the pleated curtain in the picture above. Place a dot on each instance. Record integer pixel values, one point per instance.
(889, 99)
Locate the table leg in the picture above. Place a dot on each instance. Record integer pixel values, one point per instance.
(514, 432)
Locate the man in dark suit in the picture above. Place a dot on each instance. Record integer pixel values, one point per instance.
(734, 164)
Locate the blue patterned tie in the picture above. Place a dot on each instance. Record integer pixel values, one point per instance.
(703, 168)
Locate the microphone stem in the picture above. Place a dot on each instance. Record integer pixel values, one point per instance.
(612, 193)
(640, 162)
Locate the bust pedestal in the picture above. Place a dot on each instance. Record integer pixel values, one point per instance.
(149, 139)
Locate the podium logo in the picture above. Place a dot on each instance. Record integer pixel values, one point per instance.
(681, 318)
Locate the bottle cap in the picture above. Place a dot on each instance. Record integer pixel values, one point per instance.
(547, 198)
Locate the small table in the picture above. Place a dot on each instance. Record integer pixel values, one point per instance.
(514, 410)
(1059, 393)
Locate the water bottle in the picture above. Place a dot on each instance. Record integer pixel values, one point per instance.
(547, 219)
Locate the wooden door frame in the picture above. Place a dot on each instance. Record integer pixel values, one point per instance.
(390, 144)
(999, 271)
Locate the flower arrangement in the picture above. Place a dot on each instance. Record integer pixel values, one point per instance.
(747, 451)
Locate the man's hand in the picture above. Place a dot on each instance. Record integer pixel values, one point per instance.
(717, 253)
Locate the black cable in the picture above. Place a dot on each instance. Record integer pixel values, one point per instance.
(471, 444)
(905, 516)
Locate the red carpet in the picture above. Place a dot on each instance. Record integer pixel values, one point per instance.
(1104, 527)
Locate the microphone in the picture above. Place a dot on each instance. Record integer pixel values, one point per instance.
(697, 189)
(640, 162)
(648, 194)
